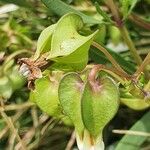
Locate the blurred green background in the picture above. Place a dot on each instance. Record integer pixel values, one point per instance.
(21, 22)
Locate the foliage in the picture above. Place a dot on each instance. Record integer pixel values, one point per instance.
(72, 64)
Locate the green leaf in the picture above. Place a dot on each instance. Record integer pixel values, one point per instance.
(69, 92)
(132, 5)
(45, 95)
(60, 66)
(102, 13)
(101, 34)
(98, 57)
(44, 41)
(60, 8)
(134, 142)
(100, 102)
(67, 45)
(127, 7)
(22, 3)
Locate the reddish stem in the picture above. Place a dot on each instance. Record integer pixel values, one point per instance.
(139, 21)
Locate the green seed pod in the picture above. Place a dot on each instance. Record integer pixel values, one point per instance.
(45, 95)
(115, 34)
(100, 102)
(89, 107)
(16, 79)
(69, 92)
(5, 88)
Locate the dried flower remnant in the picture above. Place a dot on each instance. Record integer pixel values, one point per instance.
(31, 69)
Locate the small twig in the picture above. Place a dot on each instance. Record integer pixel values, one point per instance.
(14, 119)
(15, 54)
(115, 12)
(3, 132)
(71, 141)
(139, 21)
(143, 65)
(129, 132)
(110, 58)
(43, 118)
(13, 129)
(11, 141)
(35, 122)
(130, 44)
(31, 133)
(26, 138)
(93, 72)
(51, 123)
(124, 32)
(34, 117)
(16, 106)
(114, 73)
(46, 126)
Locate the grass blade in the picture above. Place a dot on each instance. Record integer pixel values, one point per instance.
(98, 57)
(22, 3)
(132, 142)
(60, 8)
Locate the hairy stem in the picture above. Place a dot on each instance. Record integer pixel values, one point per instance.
(130, 44)
(113, 8)
(139, 21)
(124, 32)
(110, 58)
(143, 65)
(111, 71)
(16, 106)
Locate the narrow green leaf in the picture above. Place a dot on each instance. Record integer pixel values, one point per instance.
(22, 3)
(134, 142)
(98, 57)
(132, 5)
(127, 7)
(102, 13)
(60, 8)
